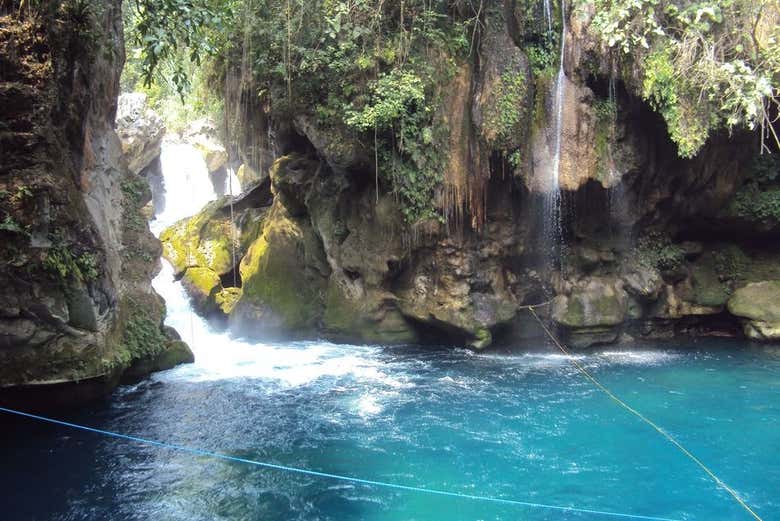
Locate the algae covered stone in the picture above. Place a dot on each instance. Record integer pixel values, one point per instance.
(284, 275)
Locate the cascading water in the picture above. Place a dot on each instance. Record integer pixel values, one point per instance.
(553, 214)
(186, 184)
(547, 8)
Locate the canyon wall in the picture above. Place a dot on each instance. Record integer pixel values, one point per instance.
(77, 311)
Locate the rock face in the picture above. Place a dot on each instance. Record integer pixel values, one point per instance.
(140, 130)
(652, 245)
(76, 257)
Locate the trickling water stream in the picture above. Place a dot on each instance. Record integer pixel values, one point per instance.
(524, 426)
(553, 232)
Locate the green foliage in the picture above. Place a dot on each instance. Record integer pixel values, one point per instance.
(606, 111)
(62, 261)
(703, 65)
(142, 335)
(758, 200)
(765, 169)
(177, 89)
(542, 58)
(658, 251)
(163, 29)
(367, 68)
(10, 225)
(506, 113)
(756, 204)
(731, 263)
(397, 98)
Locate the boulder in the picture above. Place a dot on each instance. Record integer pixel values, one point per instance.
(203, 135)
(592, 312)
(248, 176)
(140, 130)
(210, 240)
(759, 305)
(284, 276)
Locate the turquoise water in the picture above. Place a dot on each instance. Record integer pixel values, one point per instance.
(524, 426)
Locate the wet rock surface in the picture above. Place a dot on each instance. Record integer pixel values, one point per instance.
(76, 256)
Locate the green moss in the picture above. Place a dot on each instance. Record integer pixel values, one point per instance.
(142, 337)
(277, 273)
(731, 263)
(757, 301)
(204, 280)
(575, 313)
(506, 113)
(708, 290)
(482, 338)
(204, 240)
(227, 299)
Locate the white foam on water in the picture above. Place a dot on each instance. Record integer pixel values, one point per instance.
(640, 357)
(219, 356)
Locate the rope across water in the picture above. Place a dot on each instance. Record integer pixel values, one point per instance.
(326, 475)
(644, 418)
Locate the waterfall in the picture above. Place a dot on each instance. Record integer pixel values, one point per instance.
(618, 197)
(548, 16)
(560, 92)
(553, 214)
(233, 184)
(186, 184)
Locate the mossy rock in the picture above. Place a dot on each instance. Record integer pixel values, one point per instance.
(203, 285)
(247, 175)
(707, 288)
(175, 353)
(283, 273)
(598, 304)
(206, 240)
(227, 299)
(366, 318)
(483, 338)
(757, 301)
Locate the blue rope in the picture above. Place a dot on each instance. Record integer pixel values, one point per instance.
(408, 488)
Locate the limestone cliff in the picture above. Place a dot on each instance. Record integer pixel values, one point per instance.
(649, 244)
(76, 256)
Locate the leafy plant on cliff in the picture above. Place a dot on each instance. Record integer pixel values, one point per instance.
(758, 199)
(62, 261)
(656, 250)
(367, 68)
(703, 65)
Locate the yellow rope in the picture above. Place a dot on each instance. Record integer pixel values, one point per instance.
(645, 419)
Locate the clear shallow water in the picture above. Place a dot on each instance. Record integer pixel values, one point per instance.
(527, 427)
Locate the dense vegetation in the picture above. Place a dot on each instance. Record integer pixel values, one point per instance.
(704, 65)
(375, 70)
